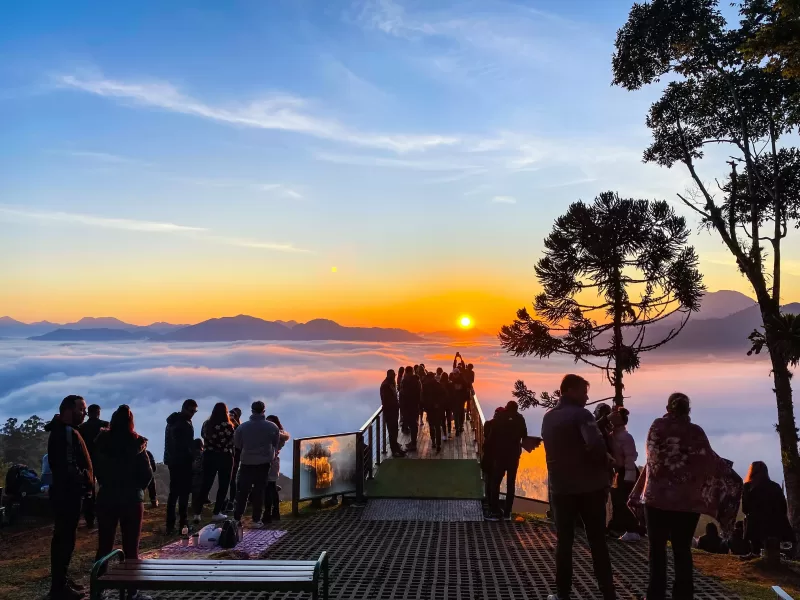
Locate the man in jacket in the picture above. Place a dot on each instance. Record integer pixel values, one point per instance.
(72, 479)
(258, 439)
(178, 455)
(434, 403)
(410, 396)
(505, 447)
(89, 432)
(391, 412)
(577, 465)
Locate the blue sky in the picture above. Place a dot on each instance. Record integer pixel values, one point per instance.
(160, 150)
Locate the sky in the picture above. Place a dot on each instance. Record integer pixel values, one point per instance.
(384, 163)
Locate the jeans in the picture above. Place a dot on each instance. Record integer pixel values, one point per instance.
(435, 426)
(591, 507)
(236, 456)
(214, 463)
(66, 514)
(459, 417)
(677, 527)
(151, 490)
(180, 486)
(390, 418)
(128, 515)
(623, 519)
(251, 483)
(272, 503)
(498, 470)
(448, 420)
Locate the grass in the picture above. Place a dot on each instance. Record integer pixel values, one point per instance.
(416, 478)
(25, 550)
(750, 579)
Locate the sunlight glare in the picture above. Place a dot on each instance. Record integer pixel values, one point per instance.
(465, 321)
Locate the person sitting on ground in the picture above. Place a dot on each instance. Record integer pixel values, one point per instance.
(764, 506)
(272, 510)
(578, 474)
(737, 544)
(258, 439)
(625, 476)
(711, 542)
(72, 479)
(123, 471)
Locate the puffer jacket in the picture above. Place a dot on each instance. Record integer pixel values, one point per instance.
(122, 467)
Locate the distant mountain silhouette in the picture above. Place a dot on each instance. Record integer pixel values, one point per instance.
(244, 327)
(99, 323)
(87, 335)
(288, 324)
(728, 334)
(155, 329)
(718, 305)
(12, 328)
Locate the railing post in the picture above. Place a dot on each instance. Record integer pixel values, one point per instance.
(359, 467)
(296, 478)
(378, 429)
(384, 431)
(371, 447)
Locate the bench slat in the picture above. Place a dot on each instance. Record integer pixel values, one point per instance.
(169, 561)
(228, 576)
(188, 566)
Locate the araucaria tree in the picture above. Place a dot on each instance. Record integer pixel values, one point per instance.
(611, 269)
(719, 96)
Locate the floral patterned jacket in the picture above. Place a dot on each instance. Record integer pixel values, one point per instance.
(684, 474)
(219, 437)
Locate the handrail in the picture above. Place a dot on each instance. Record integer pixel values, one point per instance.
(369, 421)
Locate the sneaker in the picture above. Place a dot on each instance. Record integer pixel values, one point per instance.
(71, 583)
(630, 536)
(554, 597)
(491, 517)
(219, 517)
(398, 454)
(154, 504)
(257, 524)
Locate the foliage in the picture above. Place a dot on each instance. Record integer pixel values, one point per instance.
(527, 399)
(23, 443)
(776, 36)
(317, 451)
(614, 266)
(720, 96)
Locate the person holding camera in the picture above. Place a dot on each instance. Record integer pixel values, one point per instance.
(73, 480)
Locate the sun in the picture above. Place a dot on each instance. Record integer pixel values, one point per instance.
(465, 322)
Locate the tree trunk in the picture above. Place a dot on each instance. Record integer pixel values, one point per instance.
(787, 432)
(617, 379)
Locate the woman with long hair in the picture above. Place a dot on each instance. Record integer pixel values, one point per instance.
(272, 511)
(123, 472)
(764, 507)
(217, 434)
(676, 488)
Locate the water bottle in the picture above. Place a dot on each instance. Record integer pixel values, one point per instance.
(239, 531)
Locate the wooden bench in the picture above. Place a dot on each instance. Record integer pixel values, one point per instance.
(205, 575)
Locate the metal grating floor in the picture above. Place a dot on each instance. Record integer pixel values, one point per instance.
(423, 510)
(425, 560)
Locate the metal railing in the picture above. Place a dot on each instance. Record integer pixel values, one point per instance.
(371, 446)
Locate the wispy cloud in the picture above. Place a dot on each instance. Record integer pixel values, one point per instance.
(380, 161)
(276, 112)
(104, 157)
(197, 233)
(277, 188)
(504, 200)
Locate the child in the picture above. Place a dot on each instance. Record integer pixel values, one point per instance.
(197, 470)
(272, 499)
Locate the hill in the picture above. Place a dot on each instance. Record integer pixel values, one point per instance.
(87, 335)
(12, 328)
(244, 327)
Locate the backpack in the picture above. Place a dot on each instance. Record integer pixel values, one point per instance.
(22, 481)
(228, 537)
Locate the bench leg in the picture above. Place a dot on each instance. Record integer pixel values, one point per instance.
(325, 581)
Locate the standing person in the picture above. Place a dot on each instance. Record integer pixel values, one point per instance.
(89, 431)
(258, 440)
(123, 471)
(439, 372)
(505, 446)
(625, 476)
(433, 394)
(422, 374)
(458, 362)
(272, 510)
(447, 394)
(400, 373)
(72, 479)
(410, 396)
(151, 488)
(675, 490)
(577, 466)
(460, 397)
(391, 412)
(217, 434)
(403, 399)
(487, 460)
(764, 506)
(178, 456)
(236, 418)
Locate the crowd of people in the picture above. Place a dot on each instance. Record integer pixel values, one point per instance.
(101, 470)
(413, 393)
(591, 463)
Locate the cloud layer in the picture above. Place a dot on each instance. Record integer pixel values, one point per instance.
(328, 387)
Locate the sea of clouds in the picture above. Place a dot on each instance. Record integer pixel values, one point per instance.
(330, 387)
